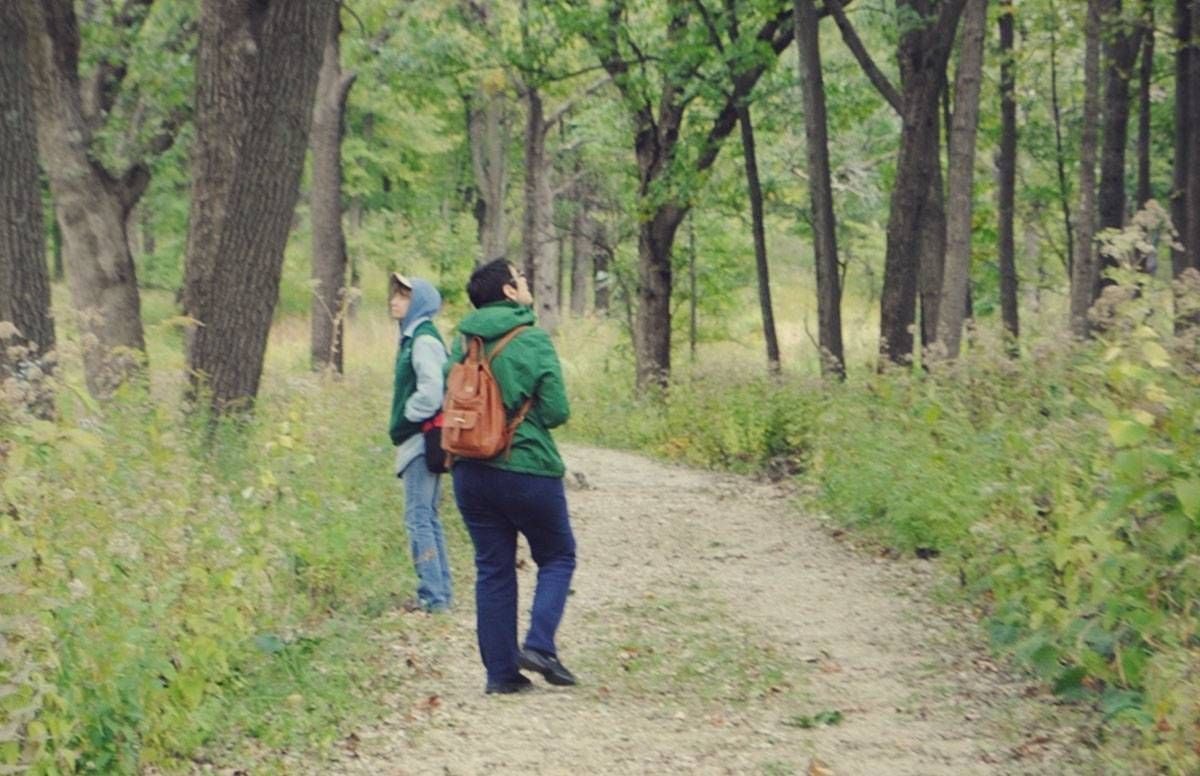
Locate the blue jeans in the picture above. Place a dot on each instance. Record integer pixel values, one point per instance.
(496, 505)
(425, 537)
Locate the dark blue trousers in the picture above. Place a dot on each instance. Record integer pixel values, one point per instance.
(495, 505)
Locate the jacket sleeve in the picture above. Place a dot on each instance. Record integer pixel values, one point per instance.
(456, 355)
(551, 391)
(428, 360)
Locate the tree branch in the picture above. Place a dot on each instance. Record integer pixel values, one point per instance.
(778, 33)
(855, 44)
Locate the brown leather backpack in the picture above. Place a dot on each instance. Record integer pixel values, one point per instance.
(475, 423)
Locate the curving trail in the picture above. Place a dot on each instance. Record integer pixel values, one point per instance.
(719, 631)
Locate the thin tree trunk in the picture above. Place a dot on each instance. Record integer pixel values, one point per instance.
(1144, 187)
(328, 240)
(1191, 235)
(962, 168)
(601, 279)
(56, 248)
(1008, 178)
(92, 206)
(24, 281)
(1184, 132)
(693, 289)
(1120, 49)
(540, 259)
(1064, 190)
(829, 293)
(1085, 276)
(762, 268)
(256, 77)
(583, 247)
(146, 226)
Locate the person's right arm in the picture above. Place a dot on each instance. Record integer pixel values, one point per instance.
(551, 390)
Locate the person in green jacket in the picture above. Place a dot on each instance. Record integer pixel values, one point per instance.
(416, 400)
(520, 491)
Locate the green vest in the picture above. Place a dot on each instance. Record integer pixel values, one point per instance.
(405, 384)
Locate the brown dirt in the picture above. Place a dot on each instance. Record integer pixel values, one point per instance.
(712, 623)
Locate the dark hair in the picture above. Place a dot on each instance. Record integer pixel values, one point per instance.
(488, 281)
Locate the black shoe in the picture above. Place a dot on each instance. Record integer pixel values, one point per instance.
(520, 684)
(546, 665)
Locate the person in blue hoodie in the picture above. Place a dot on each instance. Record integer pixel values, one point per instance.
(416, 400)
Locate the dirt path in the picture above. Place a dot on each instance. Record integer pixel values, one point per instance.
(717, 630)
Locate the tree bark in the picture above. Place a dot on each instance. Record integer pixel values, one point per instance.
(328, 239)
(488, 133)
(583, 246)
(757, 228)
(962, 174)
(256, 77)
(931, 240)
(812, 90)
(92, 205)
(538, 240)
(1007, 174)
(1085, 275)
(1185, 130)
(601, 279)
(1191, 235)
(1120, 49)
(924, 52)
(24, 276)
(1146, 77)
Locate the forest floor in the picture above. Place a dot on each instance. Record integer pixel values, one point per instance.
(717, 629)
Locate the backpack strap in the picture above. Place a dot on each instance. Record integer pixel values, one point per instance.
(503, 342)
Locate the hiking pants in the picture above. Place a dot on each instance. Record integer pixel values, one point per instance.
(495, 505)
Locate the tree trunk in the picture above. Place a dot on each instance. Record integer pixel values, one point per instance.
(601, 279)
(693, 289)
(924, 52)
(931, 241)
(24, 281)
(812, 90)
(1144, 188)
(1007, 173)
(541, 262)
(762, 268)
(1085, 275)
(1064, 190)
(1185, 130)
(652, 329)
(1120, 49)
(488, 132)
(92, 206)
(962, 173)
(256, 77)
(1191, 235)
(583, 247)
(328, 240)
(146, 226)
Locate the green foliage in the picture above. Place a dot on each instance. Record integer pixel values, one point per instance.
(163, 582)
(1063, 487)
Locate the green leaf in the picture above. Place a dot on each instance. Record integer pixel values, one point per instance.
(1127, 433)
(1069, 684)
(1188, 493)
(1156, 355)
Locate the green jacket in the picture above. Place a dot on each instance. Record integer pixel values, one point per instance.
(405, 385)
(528, 366)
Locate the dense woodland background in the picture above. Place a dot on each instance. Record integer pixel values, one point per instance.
(938, 258)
